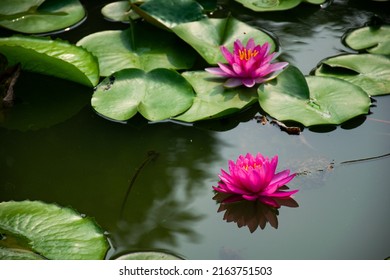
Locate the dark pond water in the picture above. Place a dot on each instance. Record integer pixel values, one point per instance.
(58, 150)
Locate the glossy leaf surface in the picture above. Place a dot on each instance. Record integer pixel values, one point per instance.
(208, 35)
(374, 40)
(213, 99)
(51, 231)
(170, 13)
(159, 94)
(117, 50)
(312, 100)
(369, 71)
(39, 16)
(51, 57)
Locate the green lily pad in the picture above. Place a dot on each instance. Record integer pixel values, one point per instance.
(158, 95)
(170, 13)
(117, 50)
(312, 101)
(269, 5)
(18, 254)
(119, 11)
(207, 35)
(369, 71)
(149, 255)
(212, 99)
(275, 5)
(51, 57)
(37, 16)
(374, 40)
(49, 230)
(10, 7)
(317, 2)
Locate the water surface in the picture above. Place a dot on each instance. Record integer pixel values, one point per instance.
(88, 163)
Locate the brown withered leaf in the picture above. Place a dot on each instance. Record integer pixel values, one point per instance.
(8, 80)
(292, 130)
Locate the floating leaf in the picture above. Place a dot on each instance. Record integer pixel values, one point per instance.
(318, 2)
(369, 71)
(275, 5)
(10, 7)
(37, 16)
(269, 5)
(312, 101)
(207, 35)
(51, 57)
(157, 95)
(51, 231)
(18, 254)
(118, 11)
(117, 50)
(374, 40)
(149, 255)
(213, 99)
(170, 13)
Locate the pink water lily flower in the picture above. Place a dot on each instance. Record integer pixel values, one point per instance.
(248, 65)
(254, 178)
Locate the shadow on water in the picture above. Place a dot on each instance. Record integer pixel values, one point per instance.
(137, 181)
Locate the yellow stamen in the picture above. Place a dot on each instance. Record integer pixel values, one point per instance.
(247, 54)
(254, 166)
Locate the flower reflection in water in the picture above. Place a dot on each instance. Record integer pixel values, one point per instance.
(252, 214)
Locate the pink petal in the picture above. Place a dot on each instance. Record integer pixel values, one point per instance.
(267, 59)
(217, 71)
(249, 82)
(282, 176)
(232, 82)
(250, 44)
(269, 201)
(237, 69)
(284, 194)
(261, 80)
(250, 197)
(269, 68)
(237, 46)
(274, 185)
(228, 56)
(249, 67)
(227, 69)
(264, 50)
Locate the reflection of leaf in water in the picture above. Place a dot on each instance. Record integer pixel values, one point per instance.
(226, 253)
(161, 221)
(151, 156)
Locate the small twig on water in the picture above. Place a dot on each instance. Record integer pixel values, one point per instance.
(294, 130)
(365, 159)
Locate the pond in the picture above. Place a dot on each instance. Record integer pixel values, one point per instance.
(149, 184)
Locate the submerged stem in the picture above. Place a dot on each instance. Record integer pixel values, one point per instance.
(365, 159)
(151, 155)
